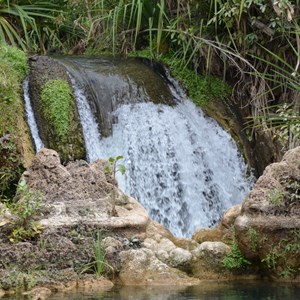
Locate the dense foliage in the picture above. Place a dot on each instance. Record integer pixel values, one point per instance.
(253, 44)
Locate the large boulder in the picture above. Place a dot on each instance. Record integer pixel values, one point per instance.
(80, 193)
(268, 228)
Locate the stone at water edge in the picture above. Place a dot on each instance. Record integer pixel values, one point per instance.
(268, 228)
(141, 267)
(207, 260)
(223, 232)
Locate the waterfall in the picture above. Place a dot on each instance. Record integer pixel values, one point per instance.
(30, 117)
(88, 122)
(181, 165)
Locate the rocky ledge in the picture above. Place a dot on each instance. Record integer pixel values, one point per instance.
(79, 240)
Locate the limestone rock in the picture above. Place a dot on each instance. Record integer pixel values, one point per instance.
(230, 216)
(268, 227)
(223, 232)
(157, 231)
(185, 243)
(5, 215)
(141, 267)
(208, 234)
(207, 260)
(167, 252)
(2, 293)
(214, 249)
(80, 192)
(180, 258)
(92, 285)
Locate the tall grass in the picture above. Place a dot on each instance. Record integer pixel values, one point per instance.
(97, 265)
(20, 24)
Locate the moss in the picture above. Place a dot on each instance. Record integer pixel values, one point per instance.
(202, 90)
(13, 128)
(56, 102)
(58, 109)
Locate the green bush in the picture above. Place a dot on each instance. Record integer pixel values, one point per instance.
(235, 259)
(25, 210)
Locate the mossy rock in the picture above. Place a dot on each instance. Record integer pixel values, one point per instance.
(16, 148)
(56, 113)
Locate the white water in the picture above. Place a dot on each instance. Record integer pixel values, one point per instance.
(88, 123)
(183, 167)
(30, 117)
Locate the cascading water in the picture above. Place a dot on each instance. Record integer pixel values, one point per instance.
(30, 117)
(182, 166)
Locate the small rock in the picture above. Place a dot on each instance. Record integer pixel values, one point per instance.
(216, 249)
(180, 258)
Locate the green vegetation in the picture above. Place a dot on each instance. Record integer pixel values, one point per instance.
(235, 259)
(32, 24)
(13, 69)
(97, 265)
(112, 168)
(253, 45)
(276, 197)
(201, 89)
(20, 280)
(281, 252)
(25, 209)
(56, 103)
(252, 235)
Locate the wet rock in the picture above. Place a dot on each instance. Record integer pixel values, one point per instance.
(208, 234)
(223, 232)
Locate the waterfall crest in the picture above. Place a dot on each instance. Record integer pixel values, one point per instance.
(181, 165)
